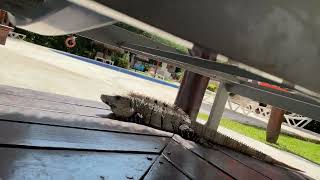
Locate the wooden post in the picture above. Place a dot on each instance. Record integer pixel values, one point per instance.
(274, 124)
(218, 107)
(193, 88)
(156, 69)
(4, 32)
(4, 17)
(191, 92)
(4, 28)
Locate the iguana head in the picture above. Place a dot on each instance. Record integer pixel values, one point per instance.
(120, 105)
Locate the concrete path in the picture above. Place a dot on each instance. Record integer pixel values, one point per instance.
(30, 66)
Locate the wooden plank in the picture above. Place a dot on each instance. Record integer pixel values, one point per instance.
(271, 171)
(20, 101)
(19, 163)
(224, 162)
(12, 133)
(164, 170)
(28, 115)
(32, 94)
(190, 164)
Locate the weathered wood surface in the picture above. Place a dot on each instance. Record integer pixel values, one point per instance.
(18, 163)
(46, 136)
(12, 133)
(20, 101)
(273, 172)
(23, 114)
(231, 166)
(164, 170)
(32, 94)
(193, 166)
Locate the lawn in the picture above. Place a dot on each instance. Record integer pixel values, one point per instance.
(305, 149)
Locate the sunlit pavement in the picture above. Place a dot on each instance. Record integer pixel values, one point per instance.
(34, 67)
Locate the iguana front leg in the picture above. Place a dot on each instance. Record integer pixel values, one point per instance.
(136, 118)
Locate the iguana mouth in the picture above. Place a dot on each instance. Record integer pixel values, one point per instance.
(104, 99)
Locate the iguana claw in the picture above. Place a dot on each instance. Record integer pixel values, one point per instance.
(186, 132)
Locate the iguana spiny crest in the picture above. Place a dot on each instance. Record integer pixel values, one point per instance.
(151, 112)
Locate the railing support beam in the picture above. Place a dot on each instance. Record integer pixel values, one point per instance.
(218, 107)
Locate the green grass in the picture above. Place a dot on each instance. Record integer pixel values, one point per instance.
(212, 86)
(305, 149)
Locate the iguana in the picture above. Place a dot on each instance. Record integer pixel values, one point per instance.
(151, 112)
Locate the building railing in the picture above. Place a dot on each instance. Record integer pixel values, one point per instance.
(253, 109)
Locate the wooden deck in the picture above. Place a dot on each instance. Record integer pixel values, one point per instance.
(48, 136)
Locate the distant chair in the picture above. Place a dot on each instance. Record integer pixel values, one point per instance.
(99, 57)
(163, 73)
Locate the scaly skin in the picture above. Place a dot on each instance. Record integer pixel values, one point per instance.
(151, 112)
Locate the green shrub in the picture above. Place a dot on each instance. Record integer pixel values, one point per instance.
(179, 76)
(123, 62)
(120, 60)
(212, 86)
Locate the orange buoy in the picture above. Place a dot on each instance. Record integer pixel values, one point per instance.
(70, 42)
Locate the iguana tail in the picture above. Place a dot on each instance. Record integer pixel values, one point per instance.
(246, 149)
(210, 137)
